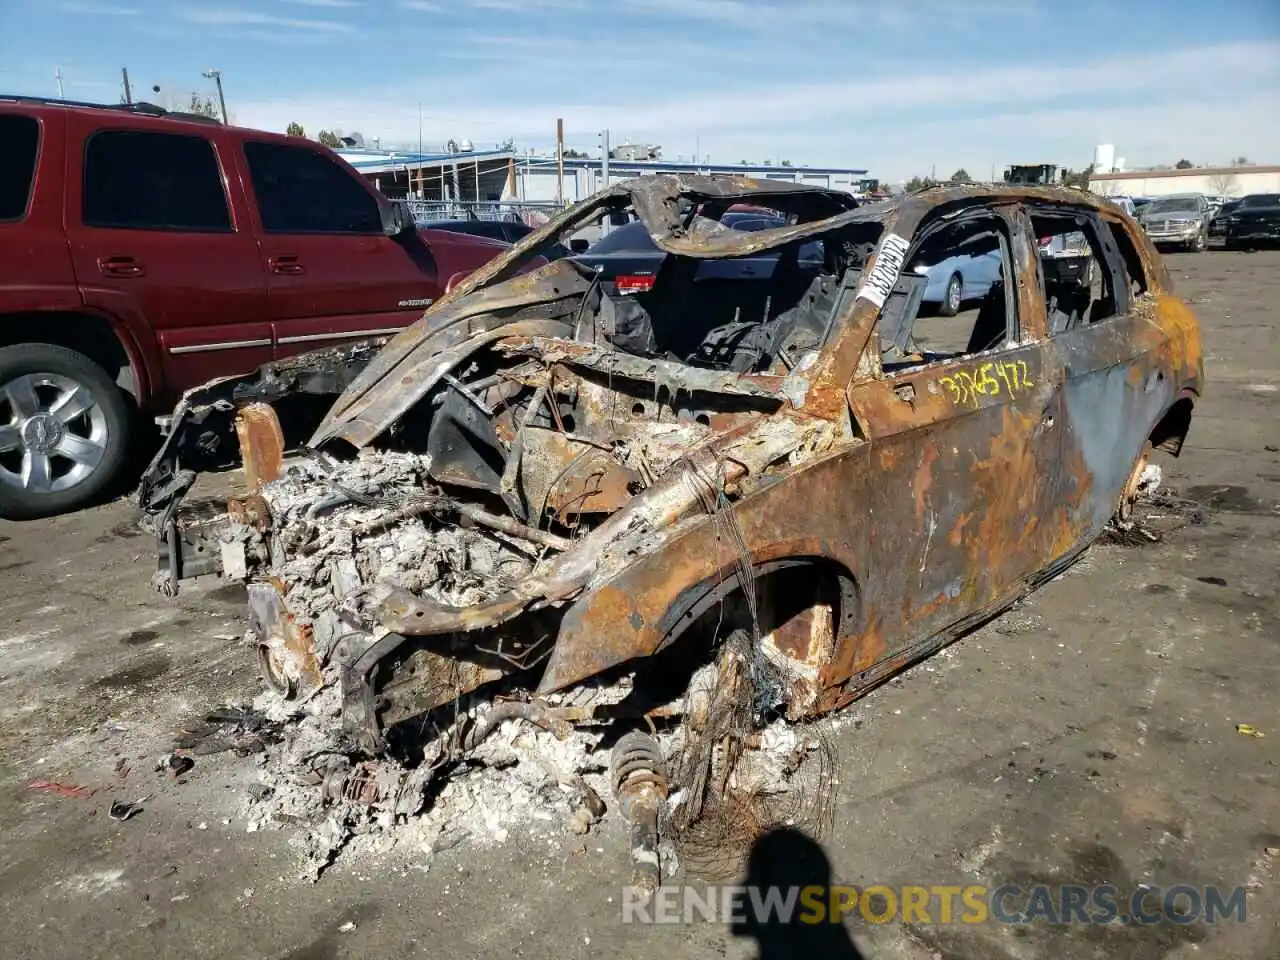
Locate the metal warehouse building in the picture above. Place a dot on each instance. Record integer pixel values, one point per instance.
(500, 175)
(1213, 181)
(470, 176)
(537, 179)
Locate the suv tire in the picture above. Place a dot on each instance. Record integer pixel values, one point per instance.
(64, 430)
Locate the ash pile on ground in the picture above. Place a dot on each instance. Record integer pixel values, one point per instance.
(340, 537)
(520, 778)
(520, 781)
(1158, 511)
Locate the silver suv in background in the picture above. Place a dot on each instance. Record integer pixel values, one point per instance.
(1066, 257)
(1181, 220)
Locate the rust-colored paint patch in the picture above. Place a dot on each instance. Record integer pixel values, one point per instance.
(854, 654)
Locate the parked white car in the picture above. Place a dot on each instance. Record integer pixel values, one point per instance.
(1125, 204)
(958, 279)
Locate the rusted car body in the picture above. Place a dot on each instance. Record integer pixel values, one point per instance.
(785, 461)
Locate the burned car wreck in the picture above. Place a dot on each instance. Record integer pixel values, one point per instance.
(694, 509)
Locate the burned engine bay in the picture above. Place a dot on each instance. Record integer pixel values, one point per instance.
(431, 578)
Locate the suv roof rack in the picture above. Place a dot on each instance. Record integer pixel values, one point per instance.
(142, 107)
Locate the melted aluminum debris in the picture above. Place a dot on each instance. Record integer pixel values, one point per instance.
(520, 778)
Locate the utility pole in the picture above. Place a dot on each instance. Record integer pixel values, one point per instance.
(128, 94)
(422, 190)
(604, 158)
(57, 75)
(560, 162)
(216, 76)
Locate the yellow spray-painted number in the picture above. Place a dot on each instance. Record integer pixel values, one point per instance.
(968, 387)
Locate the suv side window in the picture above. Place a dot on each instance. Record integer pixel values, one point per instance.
(136, 180)
(21, 138)
(303, 191)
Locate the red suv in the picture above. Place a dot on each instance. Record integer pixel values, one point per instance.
(146, 252)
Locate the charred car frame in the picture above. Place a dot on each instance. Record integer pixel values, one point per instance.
(618, 481)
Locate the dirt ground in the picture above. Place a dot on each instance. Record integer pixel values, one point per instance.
(1087, 736)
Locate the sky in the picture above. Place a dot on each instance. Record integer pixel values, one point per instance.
(897, 87)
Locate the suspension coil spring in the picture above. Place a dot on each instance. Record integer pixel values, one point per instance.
(638, 772)
(637, 767)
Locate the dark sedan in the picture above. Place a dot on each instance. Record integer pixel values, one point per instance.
(1218, 225)
(1256, 221)
(627, 259)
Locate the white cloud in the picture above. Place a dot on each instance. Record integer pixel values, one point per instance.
(325, 3)
(525, 6)
(1155, 108)
(1207, 132)
(219, 17)
(97, 9)
(422, 6)
(769, 16)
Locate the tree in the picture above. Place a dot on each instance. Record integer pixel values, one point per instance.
(1076, 178)
(571, 154)
(202, 107)
(784, 163)
(295, 129)
(330, 139)
(1183, 165)
(1223, 184)
(919, 183)
(961, 176)
(1239, 161)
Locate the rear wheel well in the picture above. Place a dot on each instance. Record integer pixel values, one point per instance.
(83, 333)
(1171, 432)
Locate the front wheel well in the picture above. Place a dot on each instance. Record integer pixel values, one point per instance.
(780, 588)
(83, 333)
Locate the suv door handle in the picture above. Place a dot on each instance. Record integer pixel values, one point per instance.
(285, 264)
(120, 267)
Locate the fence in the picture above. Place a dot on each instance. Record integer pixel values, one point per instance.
(532, 213)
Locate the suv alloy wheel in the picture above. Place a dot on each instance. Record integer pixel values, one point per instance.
(63, 430)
